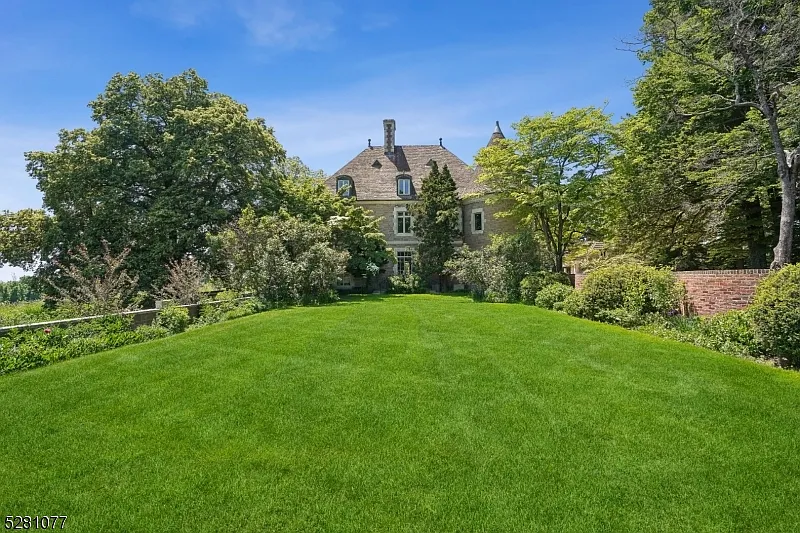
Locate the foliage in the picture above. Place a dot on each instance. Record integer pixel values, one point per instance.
(95, 285)
(627, 294)
(30, 349)
(173, 318)
(730, 332)
(353, 229)
(488, 275)
(530, 286)
(23, 289)
(495, 272)
(184, 282)
(31, 313)
(553, 295)
(716, 123)
(282, 259)
(168, 163)
(22, 237)
(227, 305)
(436, 216)
(550, 174)
(406, 284)
(776, 314)
(575, 305)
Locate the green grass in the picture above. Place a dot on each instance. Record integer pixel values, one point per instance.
(415, 413)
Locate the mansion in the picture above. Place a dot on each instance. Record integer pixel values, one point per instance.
(385, 179)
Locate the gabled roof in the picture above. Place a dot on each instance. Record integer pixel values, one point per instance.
(371, 182)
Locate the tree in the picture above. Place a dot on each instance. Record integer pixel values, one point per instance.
(550, 173)
(22, 237)
(751, 48)
(281, 258)
(168, 163)
(436, 217)
(353, 228)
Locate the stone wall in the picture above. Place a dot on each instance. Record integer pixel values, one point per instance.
(142, 317)
(491, 225)
(714, 291)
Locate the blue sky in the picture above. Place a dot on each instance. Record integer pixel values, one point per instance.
(323, 73)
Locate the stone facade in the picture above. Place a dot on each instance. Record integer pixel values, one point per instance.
(714, 291)
(386, 179)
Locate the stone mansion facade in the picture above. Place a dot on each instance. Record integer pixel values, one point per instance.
(385, 179)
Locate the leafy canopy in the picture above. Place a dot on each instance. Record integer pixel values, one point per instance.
(167, 163)
(549, 174)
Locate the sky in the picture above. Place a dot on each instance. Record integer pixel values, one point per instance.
(323, 73)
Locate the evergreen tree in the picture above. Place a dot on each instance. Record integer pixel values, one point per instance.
(436, 217)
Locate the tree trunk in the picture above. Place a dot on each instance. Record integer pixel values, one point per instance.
(559, 260)
(783, 250)
(787, 168)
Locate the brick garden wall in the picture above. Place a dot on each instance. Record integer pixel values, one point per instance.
(713, 291)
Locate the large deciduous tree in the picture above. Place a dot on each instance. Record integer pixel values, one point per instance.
(549, 174)
(436, 218)
(168, 163)
(748, 53)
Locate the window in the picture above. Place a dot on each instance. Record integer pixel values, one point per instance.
(343, 186)
(403, 222)
(477, 220)
(405, 262)
(404, 187)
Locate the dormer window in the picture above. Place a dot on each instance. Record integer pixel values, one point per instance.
(403, 186)
(344, 186)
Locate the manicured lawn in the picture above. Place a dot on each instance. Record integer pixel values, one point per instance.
(415, 413)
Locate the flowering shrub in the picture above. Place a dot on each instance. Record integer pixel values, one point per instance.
(406, 284)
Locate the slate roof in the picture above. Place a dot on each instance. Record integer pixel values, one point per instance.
(373, 181)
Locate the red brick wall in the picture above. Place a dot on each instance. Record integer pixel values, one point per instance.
(713, 291)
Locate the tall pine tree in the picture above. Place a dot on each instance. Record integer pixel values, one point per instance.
(436, 217)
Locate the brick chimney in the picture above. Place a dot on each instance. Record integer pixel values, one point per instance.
(388, 135)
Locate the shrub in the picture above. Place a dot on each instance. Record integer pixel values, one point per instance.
(530, 286)
(173, 318)
(776, 314)
(730, 333)
(30, 349)
(574, 305)
(627, 293)
(406, 284)
(283, 260)
(552, 296)
(95, 285)
(185, 281)
(488, 276)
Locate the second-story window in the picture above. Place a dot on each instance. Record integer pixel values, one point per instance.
(403, 223)
(404, 187)
(343, 187)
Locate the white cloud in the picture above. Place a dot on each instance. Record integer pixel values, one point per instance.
(281, 24)
(289, 25)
